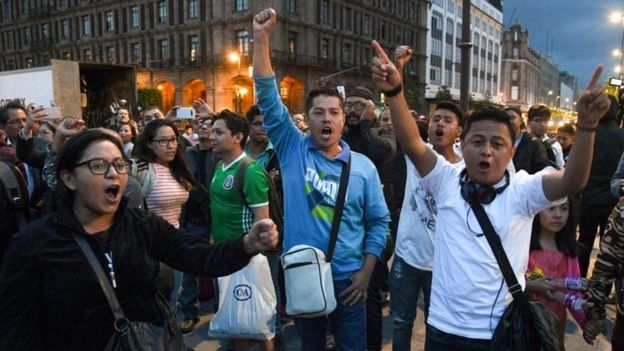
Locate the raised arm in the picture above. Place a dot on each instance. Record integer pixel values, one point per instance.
(387, 77)
(263, 24)
(591, 107)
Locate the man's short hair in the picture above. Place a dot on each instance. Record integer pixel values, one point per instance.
(447, 105)
(252, 113)
(488, 114)
(235, 123)
(326, 91)
(567, 128)
(4, 111)
(361, 92)
(515, 109)
(541, 111)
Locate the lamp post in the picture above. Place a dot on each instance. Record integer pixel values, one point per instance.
(619, 17)
(238, 97)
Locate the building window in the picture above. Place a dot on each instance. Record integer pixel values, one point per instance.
(86, 55)
(242, 5)
(27, 36)
(383, 29)
(110, 54)
(45, 31)
(515, 35)
(135, 52)
(514, 53)
(65, 29)
(514, 75)
(109, 21)
(193, 8)
(193, 41)
(163, 49)
(514, 93)
(324, 49)
(135, 17)
(242, 41)
(163, 12)
(291, 6)
(24, 6)
(86, 26)
(292, 44)
(325, 11)
(348, 19)
(366, 22)
(346, 54)
(436, 25)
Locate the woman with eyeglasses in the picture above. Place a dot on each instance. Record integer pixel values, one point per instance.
(162, 170)
(50, 298)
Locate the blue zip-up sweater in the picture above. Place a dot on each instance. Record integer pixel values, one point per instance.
(310, 182)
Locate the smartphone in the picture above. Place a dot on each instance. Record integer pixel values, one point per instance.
(185, 113)
(51, 113)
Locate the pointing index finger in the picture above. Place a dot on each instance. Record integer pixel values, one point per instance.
(380, 52)
(596, 77)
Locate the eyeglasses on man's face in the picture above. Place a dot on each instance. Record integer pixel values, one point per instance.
(166, 142)
(100, 166)
(357, 106)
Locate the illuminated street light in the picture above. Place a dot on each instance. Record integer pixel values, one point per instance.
(618, 17)
(618, 69)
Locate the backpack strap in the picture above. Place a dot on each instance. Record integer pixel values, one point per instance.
(15, 192)
(239, 177)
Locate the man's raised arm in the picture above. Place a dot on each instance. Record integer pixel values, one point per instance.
(389, 79)
(263, 24)
(591, 107)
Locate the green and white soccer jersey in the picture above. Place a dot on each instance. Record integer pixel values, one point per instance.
(230, 216)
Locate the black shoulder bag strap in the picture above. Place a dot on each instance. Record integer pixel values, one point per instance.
(340, 200)
(501, 257)
(121, 322)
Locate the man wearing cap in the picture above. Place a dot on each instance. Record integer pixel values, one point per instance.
(379, 145)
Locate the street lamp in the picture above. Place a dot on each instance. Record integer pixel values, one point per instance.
(236, 57)
(619, 17)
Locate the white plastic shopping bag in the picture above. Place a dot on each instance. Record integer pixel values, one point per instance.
(246, 303)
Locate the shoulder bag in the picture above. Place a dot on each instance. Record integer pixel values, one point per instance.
(130, 335)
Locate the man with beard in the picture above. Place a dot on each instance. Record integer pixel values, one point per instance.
(380, 146)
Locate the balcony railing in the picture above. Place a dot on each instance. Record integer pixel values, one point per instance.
(37, 44)
(282, 57)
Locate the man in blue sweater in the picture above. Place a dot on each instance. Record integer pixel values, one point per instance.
(311, 166)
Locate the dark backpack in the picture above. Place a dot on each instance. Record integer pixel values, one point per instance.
(14, 198)
(548, 143)
(276, 211)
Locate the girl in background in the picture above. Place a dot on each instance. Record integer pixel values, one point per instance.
(554, 254)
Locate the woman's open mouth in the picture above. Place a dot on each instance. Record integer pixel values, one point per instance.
(112, 192)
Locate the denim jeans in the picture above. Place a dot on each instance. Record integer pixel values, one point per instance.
(189, 303)
(374, 302)
(438, 340)
(348, 324)
(273, 257)
(405, 285)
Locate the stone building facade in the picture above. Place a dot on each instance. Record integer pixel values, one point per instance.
(202, 49)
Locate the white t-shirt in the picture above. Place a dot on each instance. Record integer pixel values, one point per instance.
(468, 294)
(415, 234)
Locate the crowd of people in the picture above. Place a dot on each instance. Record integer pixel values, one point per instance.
(162, 204)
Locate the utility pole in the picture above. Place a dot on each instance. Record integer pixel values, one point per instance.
(466, 46)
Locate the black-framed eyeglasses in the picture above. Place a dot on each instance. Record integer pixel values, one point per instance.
(166, 142)
(100, 166)
(358, 106)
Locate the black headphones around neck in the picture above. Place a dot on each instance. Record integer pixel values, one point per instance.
(484, 194)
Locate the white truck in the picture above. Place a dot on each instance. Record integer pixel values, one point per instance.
(81, 90)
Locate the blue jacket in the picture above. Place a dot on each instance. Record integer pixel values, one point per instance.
(310, 182)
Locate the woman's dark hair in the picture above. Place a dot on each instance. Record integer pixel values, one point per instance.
(69, 155)
(178, 167)
(565, 238)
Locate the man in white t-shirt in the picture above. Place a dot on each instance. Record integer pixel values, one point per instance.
(468, 294)
(413, 261)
